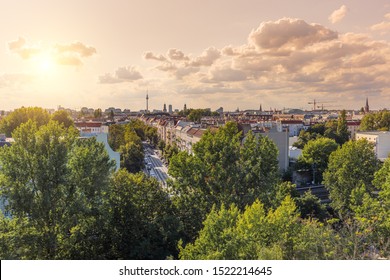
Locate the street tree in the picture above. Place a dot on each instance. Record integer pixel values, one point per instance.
(316, 154)
(349, 167)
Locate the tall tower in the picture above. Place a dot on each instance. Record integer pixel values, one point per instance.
(165, 108)
(366, 108)
(147, 101)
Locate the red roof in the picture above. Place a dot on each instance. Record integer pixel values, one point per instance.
(88, 124)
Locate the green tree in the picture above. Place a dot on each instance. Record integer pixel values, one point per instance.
(132, 156)
(316, 154)
(63, 118)
(310, 207)
(53, 184)
(98, 113)
(116, 136)
(376, 121)
(259, 234)
(142, 224)
(222, 171)
(342, 128)
(349, 167)
(22, 115)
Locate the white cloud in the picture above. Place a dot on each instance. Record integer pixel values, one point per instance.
(289, 34)
(70, 54)
(207, 58)
(175, 54)
(152, 56)
(76, 48)
(21, 48)
(122, 74)
(338, 14)
(383, 27)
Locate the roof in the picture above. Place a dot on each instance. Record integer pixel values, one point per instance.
(88, 124)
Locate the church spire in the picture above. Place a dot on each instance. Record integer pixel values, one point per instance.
(366, 108)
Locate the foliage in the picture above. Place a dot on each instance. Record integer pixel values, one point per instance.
(132, 156)
(63, 118)
(142, 224)
(342, 128)
(349, 167)
(376, 121)
(53, 184)
(22, 115)
(316, 154)
(222, 171)
(258, 234)
(310, 207)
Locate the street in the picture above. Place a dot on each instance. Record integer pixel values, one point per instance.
(154, 166)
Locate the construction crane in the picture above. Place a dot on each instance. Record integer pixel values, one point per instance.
(316, 102)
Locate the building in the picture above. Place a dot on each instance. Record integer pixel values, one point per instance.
(381, 141)
(103, 138)
(91, 127)
(280, 137)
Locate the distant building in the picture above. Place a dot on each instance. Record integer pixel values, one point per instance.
(165, 108)
(381, 141)
(170, 111)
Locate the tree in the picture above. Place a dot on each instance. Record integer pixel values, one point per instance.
(116, 136)
(142, 224)
(63, 118)
(98, 113)
(310, 207)
(342, 128)
(132, 156)
(53, 185)
(349, 167)
(316, 154)
(259, 234)
(222, 171)
(376, 121)
(22, 115)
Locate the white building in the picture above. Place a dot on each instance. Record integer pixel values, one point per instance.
(381, 141)
(103, 138)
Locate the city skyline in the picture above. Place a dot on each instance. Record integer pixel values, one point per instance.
(225, 53)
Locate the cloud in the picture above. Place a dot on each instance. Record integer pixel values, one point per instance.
(70, 54)
(338, 14)
(152, 56)
(175, 54)
(384, 26)
(289, 33)
(226, 74)
(128, 73)
(207, 58)
(21, 48)
(76, 48)
(122, 74)
(70, 60)
(287, 58)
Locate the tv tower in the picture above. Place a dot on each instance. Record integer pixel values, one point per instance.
(147, 101)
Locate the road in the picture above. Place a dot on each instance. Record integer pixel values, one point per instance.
(154, 166)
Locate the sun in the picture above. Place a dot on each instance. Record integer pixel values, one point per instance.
(45, 63)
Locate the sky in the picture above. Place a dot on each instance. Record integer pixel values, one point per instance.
(203, 53)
